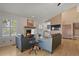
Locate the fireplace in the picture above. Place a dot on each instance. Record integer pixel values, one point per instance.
(29, 31)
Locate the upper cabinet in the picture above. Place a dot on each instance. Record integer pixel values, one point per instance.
(56, 20)
(76, 25)
(70, 16)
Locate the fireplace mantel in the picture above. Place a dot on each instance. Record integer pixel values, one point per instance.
(29, 27)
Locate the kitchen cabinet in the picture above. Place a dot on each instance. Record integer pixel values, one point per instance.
(67, 31)
(76, 30)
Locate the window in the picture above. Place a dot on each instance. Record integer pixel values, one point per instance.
(13, 23)
(8, 26)
(0, 27)
(13, 31)
(5, 31)
(5, 22)
(13, 27)
(0, 32)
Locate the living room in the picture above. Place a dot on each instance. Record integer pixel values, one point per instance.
(54, 25)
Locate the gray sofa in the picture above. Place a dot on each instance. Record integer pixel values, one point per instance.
(22, 43)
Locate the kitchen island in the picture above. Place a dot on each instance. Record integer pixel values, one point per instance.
(51, 43)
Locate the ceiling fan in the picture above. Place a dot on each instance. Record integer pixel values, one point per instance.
(58, 4)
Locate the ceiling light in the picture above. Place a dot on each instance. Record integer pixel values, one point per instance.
(58, 4)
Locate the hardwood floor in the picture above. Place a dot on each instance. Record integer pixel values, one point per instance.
(67, 48)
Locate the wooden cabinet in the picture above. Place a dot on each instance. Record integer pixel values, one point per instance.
(70, 30)
(76, 30)
(67, 31)
(76, 25)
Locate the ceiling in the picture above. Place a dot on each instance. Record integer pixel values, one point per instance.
(40, 11)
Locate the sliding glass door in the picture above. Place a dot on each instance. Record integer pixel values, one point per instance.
(7, 29)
